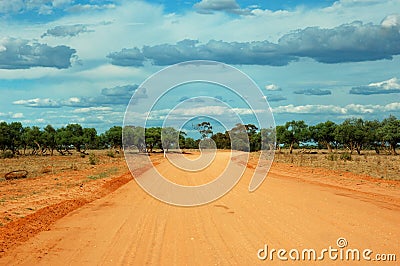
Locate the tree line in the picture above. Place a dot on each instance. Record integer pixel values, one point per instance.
(353, 134)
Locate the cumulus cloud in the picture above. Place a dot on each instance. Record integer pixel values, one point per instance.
(67, 31)
(119, 95)
(229, 6)
(42, 7)
(315, 92)
(92, 109)
(272, 87)
(47, 7)
(392, 20)
(354, 42)
(120, 91)
(349, 109)
(127, 57)
(89, 7)
(39, 103)
(191, 100)
(23, 54)
(385, 87)
(248, 53)
(275, 98)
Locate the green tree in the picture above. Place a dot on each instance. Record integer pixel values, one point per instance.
(239, 138)
(351, 134)
(372, 137)
(222, 140)
(49, 138)
(114, 137)
(190, 143)
(89, 138)
(169, 138)
(205, 129)
(293, 133)
(15, 131)
(390, 132)
(268, 138)
(324, 134)
(153, 138)
(75, 132)
(4, 136)
(63, 141)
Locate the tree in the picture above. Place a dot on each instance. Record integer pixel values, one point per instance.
(75, 132)
(222, 140)
(89, 138)
(254, 137)
(190, 143)
(351, 134)
(153, 138)
(268, 138)
(293, 133)
(63, 140)
(114, 137)
(239, 138)
(49, 138)
(372, 137)
(33, 139)
(205, 129)
(324, 134)
(390, 132)
(15, 130)
(169, 137)
(4, 136)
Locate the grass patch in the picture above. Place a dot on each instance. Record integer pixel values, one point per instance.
(105, 174)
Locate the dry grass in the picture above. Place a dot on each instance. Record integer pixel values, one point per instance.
(368, 163)
(57, 164)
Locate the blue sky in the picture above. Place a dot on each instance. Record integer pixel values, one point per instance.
(66, 61)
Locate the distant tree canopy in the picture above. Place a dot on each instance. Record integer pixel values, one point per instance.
(353, 134)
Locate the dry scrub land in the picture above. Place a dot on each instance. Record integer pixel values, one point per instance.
(57, 185)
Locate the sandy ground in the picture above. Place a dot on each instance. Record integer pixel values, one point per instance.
(295, 208)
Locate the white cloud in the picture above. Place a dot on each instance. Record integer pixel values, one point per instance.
(384, 87)
(272, 87)
(350, 109)
(392, 20)
(24, 54)
(92, 109)
(38, 102)
(18, 115)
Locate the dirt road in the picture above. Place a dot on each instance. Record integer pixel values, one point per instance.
(293, 209)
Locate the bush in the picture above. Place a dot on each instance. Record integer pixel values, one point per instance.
(93, 159)
(332, 157)
(110, 153)
(7, 154)
(345, 156)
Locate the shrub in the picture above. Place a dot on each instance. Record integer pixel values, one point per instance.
(345, 156)
(110, 153)
(93, 159)
(7, 154)
(332, 157)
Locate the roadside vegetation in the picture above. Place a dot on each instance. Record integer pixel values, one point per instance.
(352, 135)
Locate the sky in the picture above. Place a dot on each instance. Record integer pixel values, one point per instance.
(81, 61)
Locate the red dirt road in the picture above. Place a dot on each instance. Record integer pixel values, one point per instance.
(295, 208)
